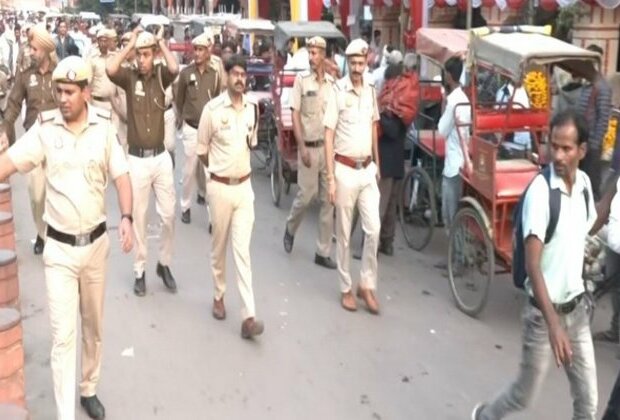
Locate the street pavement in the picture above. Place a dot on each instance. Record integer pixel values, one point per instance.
(165, 357)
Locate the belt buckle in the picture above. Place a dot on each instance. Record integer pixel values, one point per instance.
(147, 152)
(359, 164)
(233, 181)
(82, 240)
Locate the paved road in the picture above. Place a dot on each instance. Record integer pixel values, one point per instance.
(165, 357)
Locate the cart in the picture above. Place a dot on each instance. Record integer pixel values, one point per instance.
(421, 195)
(480, 244)
(283, 171)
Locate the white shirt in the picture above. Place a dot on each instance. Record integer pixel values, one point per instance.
(562, 258)
(522, 138)
(448, 130)
(613, 226)
(378, 76)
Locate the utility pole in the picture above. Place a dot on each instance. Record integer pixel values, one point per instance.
(530, 12)
(470, 13)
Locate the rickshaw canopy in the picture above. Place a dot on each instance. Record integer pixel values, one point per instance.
(512, 52)
(286, 30)
(148, 19)
(253, 26)
(440, 44)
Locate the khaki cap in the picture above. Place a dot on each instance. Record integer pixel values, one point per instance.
(357, 47)
(72, 69)
(145, 40)
(203, 40)
(317, 41)
(106, 33)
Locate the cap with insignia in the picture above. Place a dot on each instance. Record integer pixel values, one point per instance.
(145, 40)
(106, 33)
(202, 40)
(72, 69)
(317, 41)
(357, 47)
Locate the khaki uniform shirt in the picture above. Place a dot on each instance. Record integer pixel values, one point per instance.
(34, 88)
(76, 167)
(352, 116)
(24, 58)
(100, 84)
(195, 89)
(145, 104)
(226, 136)
(309, 97)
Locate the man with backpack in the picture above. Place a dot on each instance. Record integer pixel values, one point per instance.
(549, 247)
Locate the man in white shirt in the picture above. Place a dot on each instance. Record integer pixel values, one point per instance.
(520, 101)
(450, 127)
(556, 316)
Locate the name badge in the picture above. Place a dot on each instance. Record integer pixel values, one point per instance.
(33, 80)
(139, 89)
(311, 93)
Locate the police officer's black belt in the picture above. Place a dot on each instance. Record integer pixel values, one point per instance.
(168, 107)
(142, 153)
(100, 99)
(77, 240)
(318, 143)
(192, 124)
(562, 308)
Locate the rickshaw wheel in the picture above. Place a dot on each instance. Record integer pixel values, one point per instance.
(417, 210)
(471, 261)
(276, 176)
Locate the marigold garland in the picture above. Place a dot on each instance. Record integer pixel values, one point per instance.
(609, 141)
(536, 86)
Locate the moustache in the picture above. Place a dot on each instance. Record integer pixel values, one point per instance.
(240, 84)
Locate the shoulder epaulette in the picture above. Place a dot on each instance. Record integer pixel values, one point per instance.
(340, 84)
(305, 73)
(47, 116)
(104, 113)
(215, 102)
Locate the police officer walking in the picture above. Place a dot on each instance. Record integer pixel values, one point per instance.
(308, 101)
(198, 83)
(226, 133)
(34, 86)
(351, 140)
(150, 167)
(79, 147)
(102, 87)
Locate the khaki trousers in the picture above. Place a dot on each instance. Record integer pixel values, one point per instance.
(75, 279)
(389, 189)
(152, 173)
(357, 188)
(170, 129)
(36, 189)
(193, 169)
(232, 212)
(312, 183)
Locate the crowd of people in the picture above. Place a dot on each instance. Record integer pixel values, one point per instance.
(111, 108)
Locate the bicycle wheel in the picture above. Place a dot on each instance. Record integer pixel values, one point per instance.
(417, 210)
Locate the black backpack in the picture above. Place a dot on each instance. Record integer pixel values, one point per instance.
(519, 272)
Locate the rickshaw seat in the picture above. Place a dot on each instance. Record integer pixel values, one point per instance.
(515, 120)
(426, 142)
(513, 176)
(430, 92)
(288, 79)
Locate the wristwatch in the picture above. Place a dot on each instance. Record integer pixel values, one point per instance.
(128, 217)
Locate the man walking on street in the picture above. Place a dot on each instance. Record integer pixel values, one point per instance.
(34, 86)
(226, 133)
(351, 140)
(149, 164)
(556, 317)
(78, 145)
(198, 83)
(308, 101)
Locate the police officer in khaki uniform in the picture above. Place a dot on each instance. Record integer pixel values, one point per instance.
(226, 133)
(198, 83)
(78, 145)
(34, 86)
(351, 141)
(101, 86)
(119, 99)
(308, 101)
(150, 167)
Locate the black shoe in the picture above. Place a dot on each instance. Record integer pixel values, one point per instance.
(139, 287)
(201, 200)
(93, 407)
(387, 249)
(325, 262)
(288, 241)
(163, 271)
(186, 217)
(38, 246)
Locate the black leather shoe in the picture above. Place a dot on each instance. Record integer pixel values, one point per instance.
(163, 271)
(386, 249)
(326, 262)
(201, 200)
(38, 246)
(139, 287)
(93, 407)
(186, 217)
(250, 328)
(288, 241)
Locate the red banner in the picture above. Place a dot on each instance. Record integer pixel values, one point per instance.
(315, 8)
